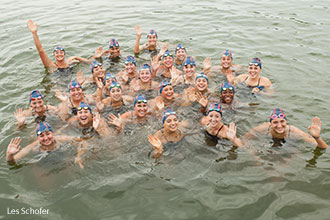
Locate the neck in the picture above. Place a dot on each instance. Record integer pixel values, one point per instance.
(76, 102)
(145, 84)
(61, 64)
(50, 147)
(89, 124)
(151, 47)
(178, 62)
(215, 129)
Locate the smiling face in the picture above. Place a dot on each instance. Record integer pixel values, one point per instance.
(59, 55)
(98, 72)
(130, 68)
(152, 40)
(116, 94)
(201, 84)
(168, 92)
(145, 75)
(114, 52)
(214, 118)
(46, 138)
(226, 62)
(171, 123)
(278, 125)
(227, 96)
(168, 61)
(141, 109)
(76, 94)
(254, 71)
(189, 70)
(37, 104)
(84, 117)
(181, 54)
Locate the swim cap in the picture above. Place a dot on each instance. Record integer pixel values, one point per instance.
(178, 47)
(227, 53)
(58, 48)
(167, 113)
(167, 54)
(74, 84)
(109, 75)
(277, 113)
(42, 127)
(113, 43)
(113, 85)
(225, 86)
(130, 59)
(202, 75)
(162, 85)
(145, 67)
(189, 61)
(139, 99)
(215, 107)
(152, 32)
(85, 106)
(35, 94)
(255, 61)
(94, 65)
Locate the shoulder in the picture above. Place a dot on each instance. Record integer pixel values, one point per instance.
(265, 81)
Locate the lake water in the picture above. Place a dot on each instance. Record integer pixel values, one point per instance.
(195, 181)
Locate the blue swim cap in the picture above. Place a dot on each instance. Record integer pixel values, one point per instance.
(130, 59)
(42, 127)
(167, 54)
(225, 86)
(113, 43)
(227, 53)
(145, 67)
(189, 61)
(162, 85)
(152, 32)
(85, 106)
(202, 75)
(35, 94)
(94, 65)
(255, 61)
(215, 107)
(58, 48)
(139, 99)
(74, 84)
(179, 46)
(277, 113)
(113, 85)
(109, 75)
(167, 113)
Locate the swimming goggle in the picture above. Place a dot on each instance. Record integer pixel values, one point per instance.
(141, 101)
(42, 127)
(163, 85)
(167, 54)
(81, 108)
(179, 46)
(255, 64)
(114, 85)
(215, 107)
(167, 113)
(76, 86)
(58, 48)
(276, 114)
(39, 132)
(225, 89)
(152, 32)
(96, 65)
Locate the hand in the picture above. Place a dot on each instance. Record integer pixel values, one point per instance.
(202, 100)
(255, 90)
(124, 76)
(99, 106)
(160, 105)
(135, 86)
(138, 30)
(32, 26)
(174, 73)
(231, 132)
(156, 143)
(79, 161)
(80, 77)
(315, 128)
(162, 51)
(98, 52)
(96, 120)
(19, 115)
(99, 83)
(116, 121)
(207, 63)
(60, 96)
(13, 146)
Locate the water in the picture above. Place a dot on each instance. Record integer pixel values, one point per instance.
(195, 181)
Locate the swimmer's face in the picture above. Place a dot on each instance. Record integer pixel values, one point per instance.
(130, 68)
(181, 54)
(141, 109)
(46, 138)
(278, 125)
(189, 70)
(171, 123)
(168, 61)
(76, 94)
(226, 62)
(114, 52)
(84, 117)
(145, 75)
(201, 84)
(254, 71)
(168, 92)
(59, 55)
(214, 118)
(152, 40)
(227, 96)
(98, 72)
(37, 104)
(116, 94)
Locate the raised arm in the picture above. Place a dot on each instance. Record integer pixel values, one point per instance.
(138, 37)
(44, 58)
(13, 150)
(255, 131)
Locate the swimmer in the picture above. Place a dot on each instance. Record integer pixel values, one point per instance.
(215, 129)
(37, 109)
(188, 78)
(169, 135)
(76, 97)
(59, 53)
(144, 80)
(152, 41)
(108, 80)
(165, 68)
(278, 129)
(130, 73)
(113, 53)
(97, 71)
(253, 80)
(46, 142)
(227, 93)
(180, 56)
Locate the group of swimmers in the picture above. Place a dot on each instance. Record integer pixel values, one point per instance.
(106, 112)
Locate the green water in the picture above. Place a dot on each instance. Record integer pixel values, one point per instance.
(119, 180)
